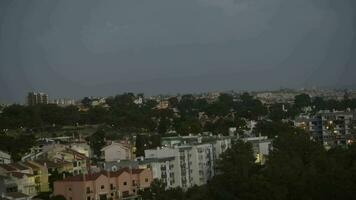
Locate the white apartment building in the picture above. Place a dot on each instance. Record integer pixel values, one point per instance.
(185, 165)
(162, 169)
(329, 127)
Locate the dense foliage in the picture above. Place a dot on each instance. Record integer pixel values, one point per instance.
(194, 114)
(185, 115)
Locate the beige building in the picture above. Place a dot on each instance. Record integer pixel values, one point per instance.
(116, 151)
(30, 177)
(40, 173)
(124, 183)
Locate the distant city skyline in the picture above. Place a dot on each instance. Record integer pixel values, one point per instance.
(73, 49)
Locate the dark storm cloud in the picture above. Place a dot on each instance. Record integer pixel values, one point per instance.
(77, 48)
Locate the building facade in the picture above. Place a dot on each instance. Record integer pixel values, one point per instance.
(122, 184)
(5, 158)
(35, 98)
(331, 128)
(116, 151)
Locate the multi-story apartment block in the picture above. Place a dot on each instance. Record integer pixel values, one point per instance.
(40, 173)
(30, 177)
(330, 127)
(122, 184)
(182, 166)
(162, 169)
(34, 98)
(64, 102)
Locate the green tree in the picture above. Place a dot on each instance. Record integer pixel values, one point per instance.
(302, 100)
(97, 141)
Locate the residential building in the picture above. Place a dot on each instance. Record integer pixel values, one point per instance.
(163, 104)
(122, 184)
(330, 128)
(5, 158)
(40, 173)
(185, 161)
(81, 147)
(30, 177)
(25, 183)
(71, 161)
(261, 147)
(188, 165)
(7, 185)
(35, 98)
(164, 169)
(116, 151)
(64, 102)
(114, 166)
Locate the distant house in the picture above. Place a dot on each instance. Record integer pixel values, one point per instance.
(25, 183)
(30, 177)
(7, 185)
(116, 151)
(5, 158)
(71, 161)
(104, 185)
(40, 173)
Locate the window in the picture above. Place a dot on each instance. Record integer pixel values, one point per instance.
(88, 198)
(133, 182)
(125, 183)
(111, 186)
(146, 180)
(102, 186)
(70, 189)
(133, 190)
(88, 190)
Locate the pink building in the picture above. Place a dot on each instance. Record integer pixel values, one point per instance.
(104, 185)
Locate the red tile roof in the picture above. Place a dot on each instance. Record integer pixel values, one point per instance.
(18, 166)
(76, 154)
(88, 177)
(7, 167)
(137, 171)
(19, 174)
(32, 165)
(91, 177)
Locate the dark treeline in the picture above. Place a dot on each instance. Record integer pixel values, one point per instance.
(297, 168)
(124, 113)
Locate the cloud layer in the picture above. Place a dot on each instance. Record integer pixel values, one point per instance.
(78, 48)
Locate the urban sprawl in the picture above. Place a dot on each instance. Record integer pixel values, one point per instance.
(120, 147)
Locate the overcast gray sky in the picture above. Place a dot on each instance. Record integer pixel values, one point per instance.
(74, 48)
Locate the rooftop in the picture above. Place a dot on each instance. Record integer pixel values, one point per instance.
(94, 176)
